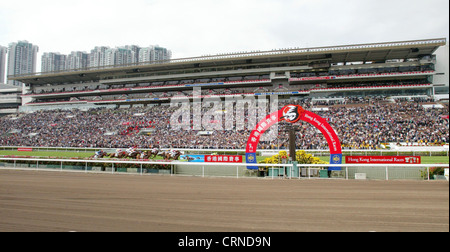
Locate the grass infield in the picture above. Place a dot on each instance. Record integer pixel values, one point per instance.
(65, 154)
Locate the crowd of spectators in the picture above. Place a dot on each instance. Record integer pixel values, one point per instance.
(95, 86)
(363, 125)
(369, 126)
(225, 91)
(92, 86)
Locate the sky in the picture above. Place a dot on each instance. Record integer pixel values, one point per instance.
(192, 28)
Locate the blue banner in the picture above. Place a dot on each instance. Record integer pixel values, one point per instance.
(251, 159)
(335, 159)
(204, 84)
(193, 158)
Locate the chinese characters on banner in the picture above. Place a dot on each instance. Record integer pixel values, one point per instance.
(223, 159)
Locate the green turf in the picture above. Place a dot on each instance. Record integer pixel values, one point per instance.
(64, 154)
(57, 154)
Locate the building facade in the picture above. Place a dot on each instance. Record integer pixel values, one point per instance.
(103, 56)
(53, 62)
(119, 56)
(10, 99)
(3, 51)
(441, 79)
(154, 54)
(77, 60)
(21, 60)
(97, 57)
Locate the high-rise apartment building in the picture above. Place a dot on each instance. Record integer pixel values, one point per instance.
(119, 56)
(105, 56)
(77, 60)
(135, 49)
(145, 54)
(161, 53)
(97, 57)
(3, 51)
(53, 62)
(154, 53)
(22, 58)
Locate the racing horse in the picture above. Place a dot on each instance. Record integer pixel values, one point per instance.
(118, 154)
(154, 152)
(134, 155)
(168, 155)
(145, 155)
(148, 154)
(100, 154)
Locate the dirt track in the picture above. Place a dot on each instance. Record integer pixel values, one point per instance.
(53, 201)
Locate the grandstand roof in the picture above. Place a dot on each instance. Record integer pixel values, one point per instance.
(376, 52)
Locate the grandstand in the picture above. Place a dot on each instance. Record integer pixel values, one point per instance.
(404, 68)
(371, 93)
(10, 99)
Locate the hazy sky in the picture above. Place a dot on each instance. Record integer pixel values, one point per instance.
(199, 27)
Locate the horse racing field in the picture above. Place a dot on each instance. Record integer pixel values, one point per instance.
(66, 201)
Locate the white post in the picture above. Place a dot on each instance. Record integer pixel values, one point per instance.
(428, 173)
(387, 173)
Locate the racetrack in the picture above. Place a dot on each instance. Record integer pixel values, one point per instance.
(64, 201)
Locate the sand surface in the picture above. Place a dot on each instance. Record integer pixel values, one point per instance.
(63, 201)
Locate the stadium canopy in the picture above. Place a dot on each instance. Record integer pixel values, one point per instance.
(374, 52)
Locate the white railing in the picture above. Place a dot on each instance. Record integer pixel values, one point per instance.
(238, 170)
(420, 150)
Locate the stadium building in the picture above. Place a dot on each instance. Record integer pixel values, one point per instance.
(10, 99)
(416, 68)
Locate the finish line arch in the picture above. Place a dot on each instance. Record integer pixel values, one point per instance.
(293, 114)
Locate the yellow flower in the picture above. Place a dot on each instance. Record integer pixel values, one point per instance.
(301, 155)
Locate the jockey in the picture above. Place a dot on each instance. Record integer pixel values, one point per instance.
(118, 151)
(99, 153)
(173, 153)
(131, 150)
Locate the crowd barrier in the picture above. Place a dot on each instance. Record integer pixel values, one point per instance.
(237, 170)
(415, 151)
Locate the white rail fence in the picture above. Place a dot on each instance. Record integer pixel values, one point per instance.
(237, 170)
(416, 150)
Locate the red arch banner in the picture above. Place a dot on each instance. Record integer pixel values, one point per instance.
(293, 114)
